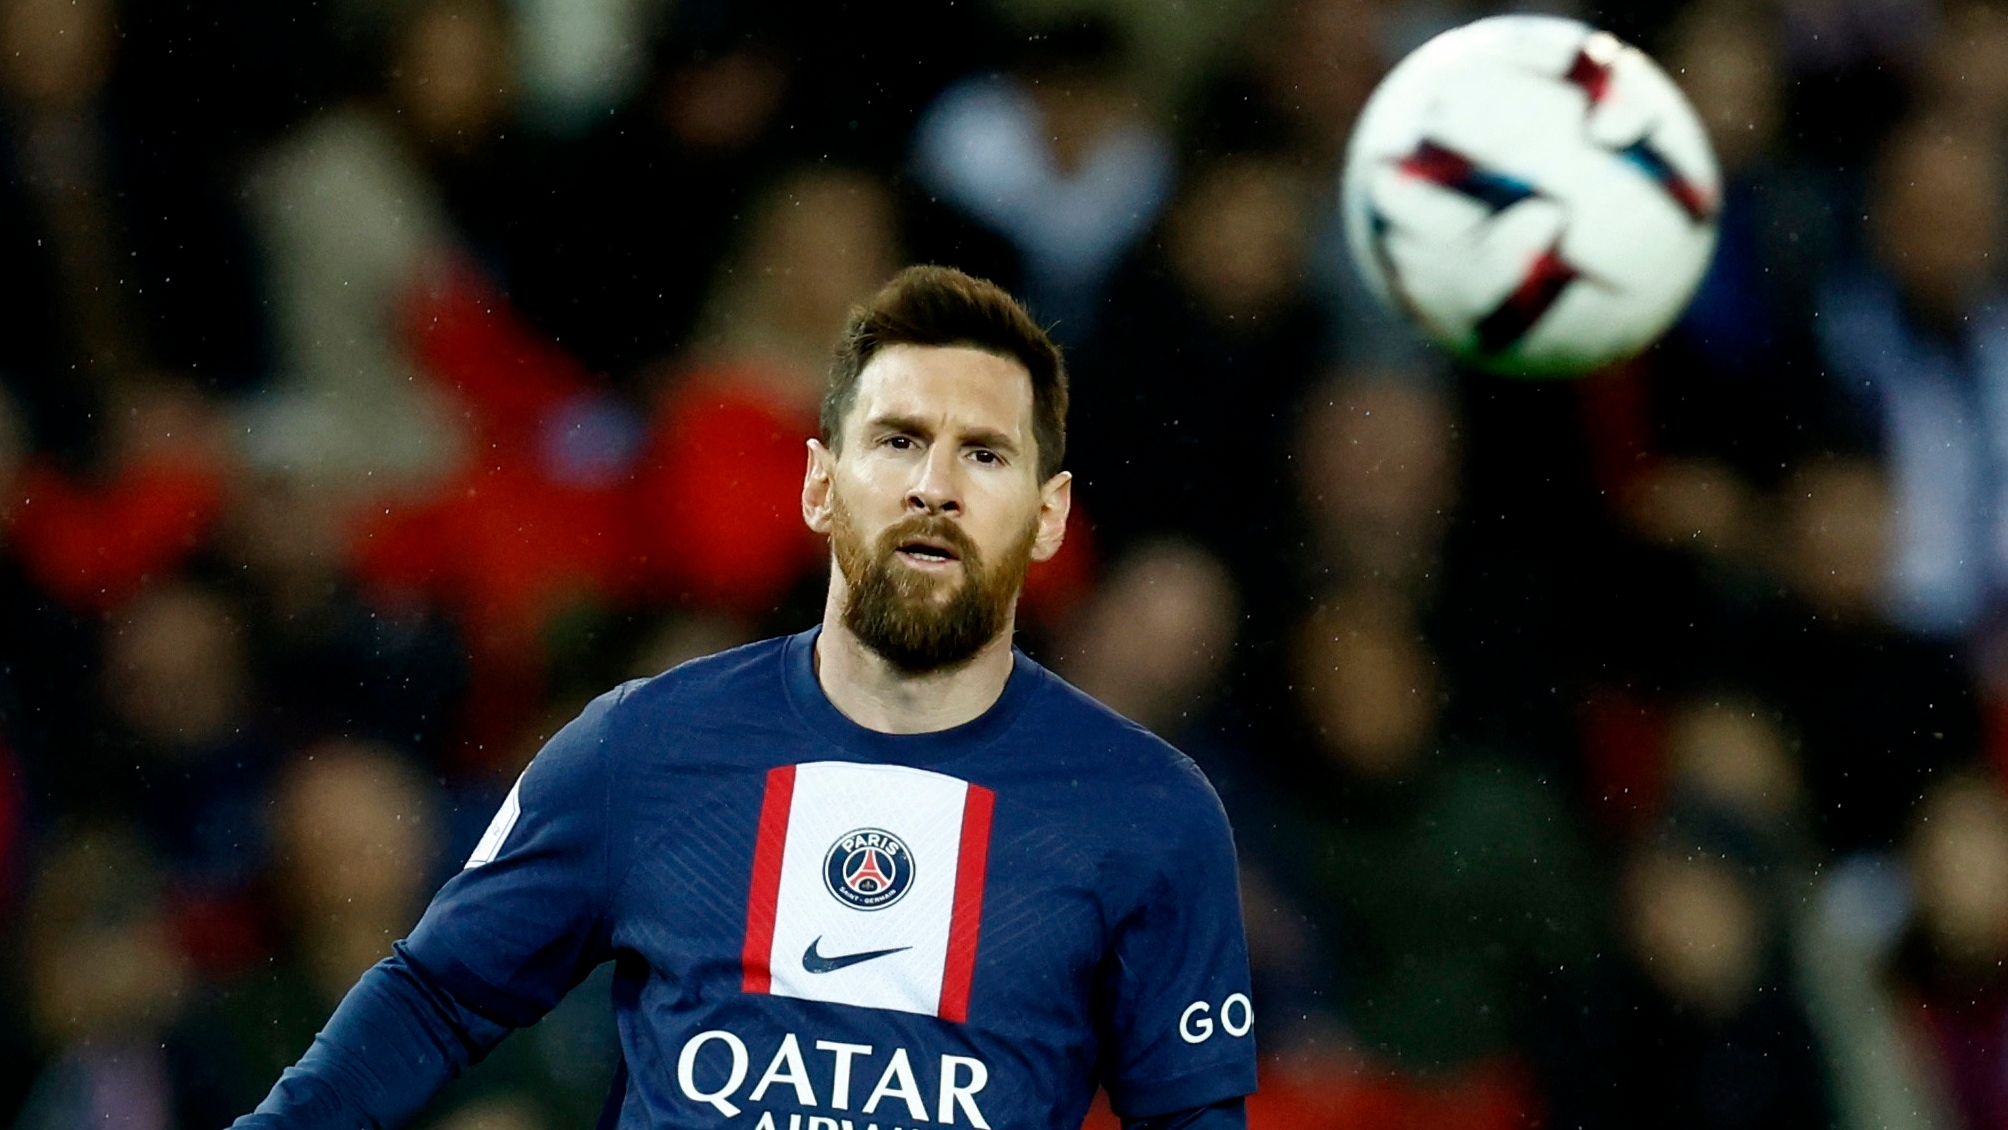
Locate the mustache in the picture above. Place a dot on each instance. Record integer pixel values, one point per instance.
(932, 526)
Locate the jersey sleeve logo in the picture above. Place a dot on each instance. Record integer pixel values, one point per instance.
(867, 887)
(499, 828)
(869, 869)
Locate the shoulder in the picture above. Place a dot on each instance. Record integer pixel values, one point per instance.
(1153, 820)
(637, 720)
(745, 681)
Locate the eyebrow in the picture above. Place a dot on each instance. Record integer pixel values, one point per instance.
(982, 437)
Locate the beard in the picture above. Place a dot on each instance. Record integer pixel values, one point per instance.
(921, 622)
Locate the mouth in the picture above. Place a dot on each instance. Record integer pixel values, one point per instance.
(928, 553)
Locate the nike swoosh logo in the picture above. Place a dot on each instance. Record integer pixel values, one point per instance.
(813, 962)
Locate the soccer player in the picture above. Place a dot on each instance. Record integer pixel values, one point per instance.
(885, 873)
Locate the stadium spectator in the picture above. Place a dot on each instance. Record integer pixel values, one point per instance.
(355, 843)
(1737, 383)
(355, 222)
(1734, 782)
(1214, 301)
(1793, 612)
(329, 660)
(1055, 156)
(1376, 467)
(1940, 1008)
(1379, 468)
(1156, 636)
(1727, 57)
(105, 981)
(124, 257)
(1703, 1023)
(1785, 595)
(1854, 67)
(1450, 883)
(1882, 711)
(1309, 66)
(1912, 338)
(533, 527)
(1707, 1032)
(643, 208)
(182, 758)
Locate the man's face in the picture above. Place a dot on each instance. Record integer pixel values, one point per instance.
(933, 503)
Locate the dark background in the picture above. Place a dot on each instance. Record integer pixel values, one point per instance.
(382, 379)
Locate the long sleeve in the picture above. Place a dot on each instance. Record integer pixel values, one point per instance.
(395, 1040)
(1176, 1017)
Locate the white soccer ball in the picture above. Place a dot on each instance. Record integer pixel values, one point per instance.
(1535, 195)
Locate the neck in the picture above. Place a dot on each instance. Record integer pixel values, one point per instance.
(879, 696)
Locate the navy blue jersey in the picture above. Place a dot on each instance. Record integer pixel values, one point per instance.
(817, 926)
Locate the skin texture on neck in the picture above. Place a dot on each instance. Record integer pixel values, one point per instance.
(879, 696)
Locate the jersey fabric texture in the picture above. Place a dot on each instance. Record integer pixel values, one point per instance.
(817, 926)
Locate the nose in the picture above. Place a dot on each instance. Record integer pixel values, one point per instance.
(935, 489)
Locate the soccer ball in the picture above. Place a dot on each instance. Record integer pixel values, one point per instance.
(1533, 194)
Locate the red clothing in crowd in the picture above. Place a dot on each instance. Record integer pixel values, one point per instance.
(92, 545)
(507, 540)
(718, 497)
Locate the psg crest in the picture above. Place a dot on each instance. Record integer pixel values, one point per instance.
(869, 869)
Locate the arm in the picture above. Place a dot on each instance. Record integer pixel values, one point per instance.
(1175, 1017)
(395, 1040)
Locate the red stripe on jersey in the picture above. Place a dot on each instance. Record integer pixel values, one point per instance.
(967, 919)
(765, 892)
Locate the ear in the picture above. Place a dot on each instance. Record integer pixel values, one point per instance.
(1056, 501)
(816, 488)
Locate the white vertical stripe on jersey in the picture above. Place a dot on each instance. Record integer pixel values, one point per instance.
(831, 800)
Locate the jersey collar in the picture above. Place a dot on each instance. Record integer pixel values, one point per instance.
(805, 694)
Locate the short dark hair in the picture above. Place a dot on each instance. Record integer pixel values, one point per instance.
(941, 306)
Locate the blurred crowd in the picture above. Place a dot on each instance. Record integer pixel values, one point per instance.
(382, 379)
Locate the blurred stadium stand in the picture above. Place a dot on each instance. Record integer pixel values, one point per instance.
(381, 379)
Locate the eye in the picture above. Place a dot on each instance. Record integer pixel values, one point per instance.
(986, 456)
(899, 443)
